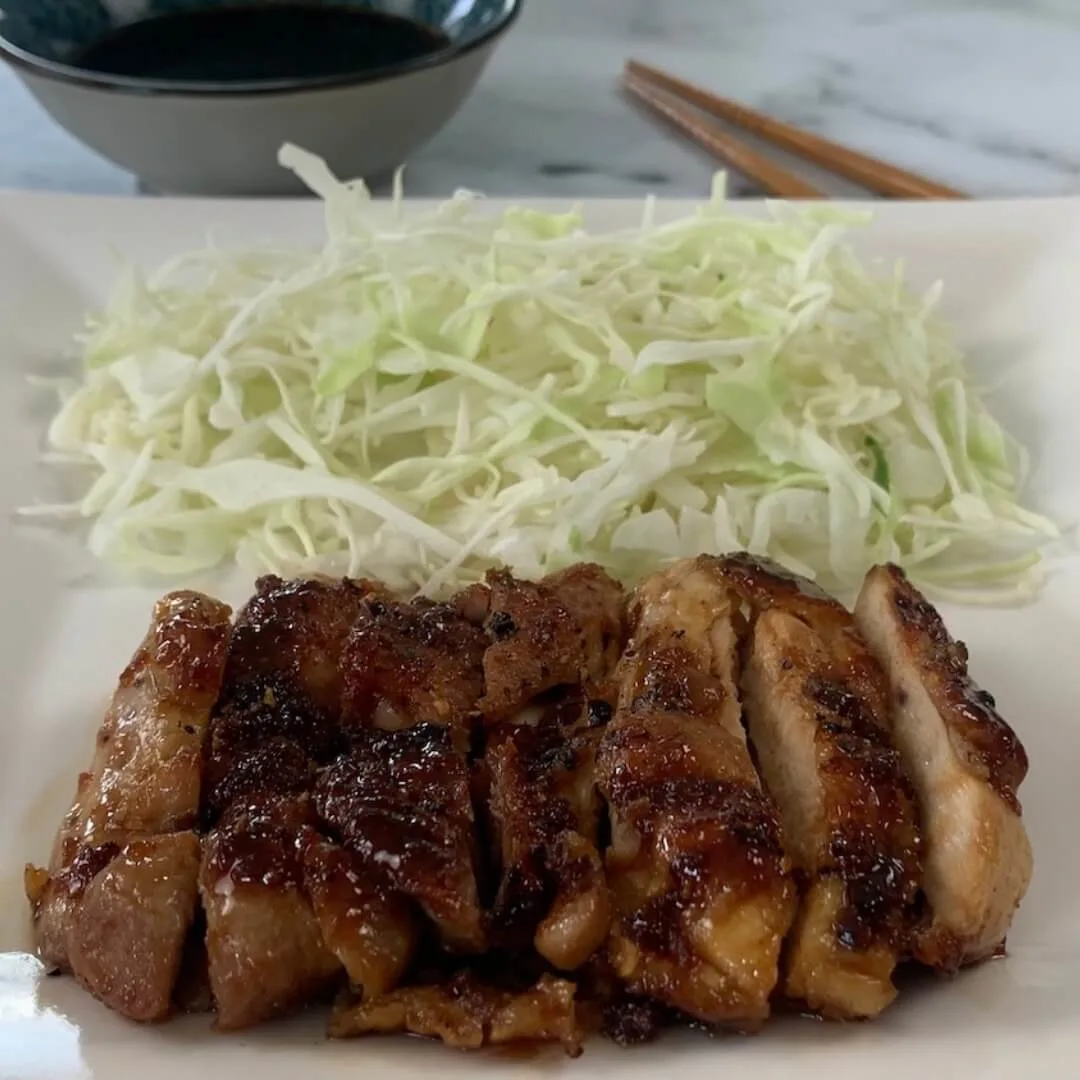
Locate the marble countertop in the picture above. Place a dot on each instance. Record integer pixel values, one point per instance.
(980, 94)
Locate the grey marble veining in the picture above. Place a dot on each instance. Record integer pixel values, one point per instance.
(981, 94)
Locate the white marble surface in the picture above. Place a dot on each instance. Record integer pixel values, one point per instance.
(982, 94)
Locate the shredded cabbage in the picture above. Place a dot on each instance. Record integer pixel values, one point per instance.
(436, 391)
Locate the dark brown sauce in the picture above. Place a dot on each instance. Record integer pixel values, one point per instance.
(260, 43)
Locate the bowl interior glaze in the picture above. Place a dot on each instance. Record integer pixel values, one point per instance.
(55, 30)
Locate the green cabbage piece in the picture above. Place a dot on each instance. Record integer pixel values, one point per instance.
(436, 390)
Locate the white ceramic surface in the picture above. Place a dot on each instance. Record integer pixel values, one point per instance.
(982, 94)
(1010, 273)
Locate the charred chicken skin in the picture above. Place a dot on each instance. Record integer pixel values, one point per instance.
(817, 713)
(966, 764)
(544, 722)
(115, 905)
(701, 884)
(538, 809)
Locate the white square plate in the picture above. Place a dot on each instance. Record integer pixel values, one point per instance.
(1012, 275)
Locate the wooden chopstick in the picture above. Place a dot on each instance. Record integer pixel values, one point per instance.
(773, 179)
(876, 175)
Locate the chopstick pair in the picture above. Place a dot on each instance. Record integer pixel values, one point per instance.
(682, 104)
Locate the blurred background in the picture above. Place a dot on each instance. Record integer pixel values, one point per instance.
(979, 94)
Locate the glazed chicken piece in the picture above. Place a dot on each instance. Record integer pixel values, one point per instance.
(816, 706)
(413, 678)
(128, 936)
(266, 953)
(265, 949)
(632, 1021)
(146, 773)
(372, 929)
(966, 764)
(299, 652)
(55, 898)
(545, 814)
(468, 1014)
(541, 763)
(278, 808)
(700, 882)
(277, 910)
(122, 875)
(118, 918)
(418, 663)
(565, 630)
(266, 738)
(400, 802)
(295, 631)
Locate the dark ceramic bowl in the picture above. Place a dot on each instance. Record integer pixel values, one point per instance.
(222, 138)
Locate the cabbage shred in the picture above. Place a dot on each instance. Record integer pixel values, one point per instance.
(434, 392)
